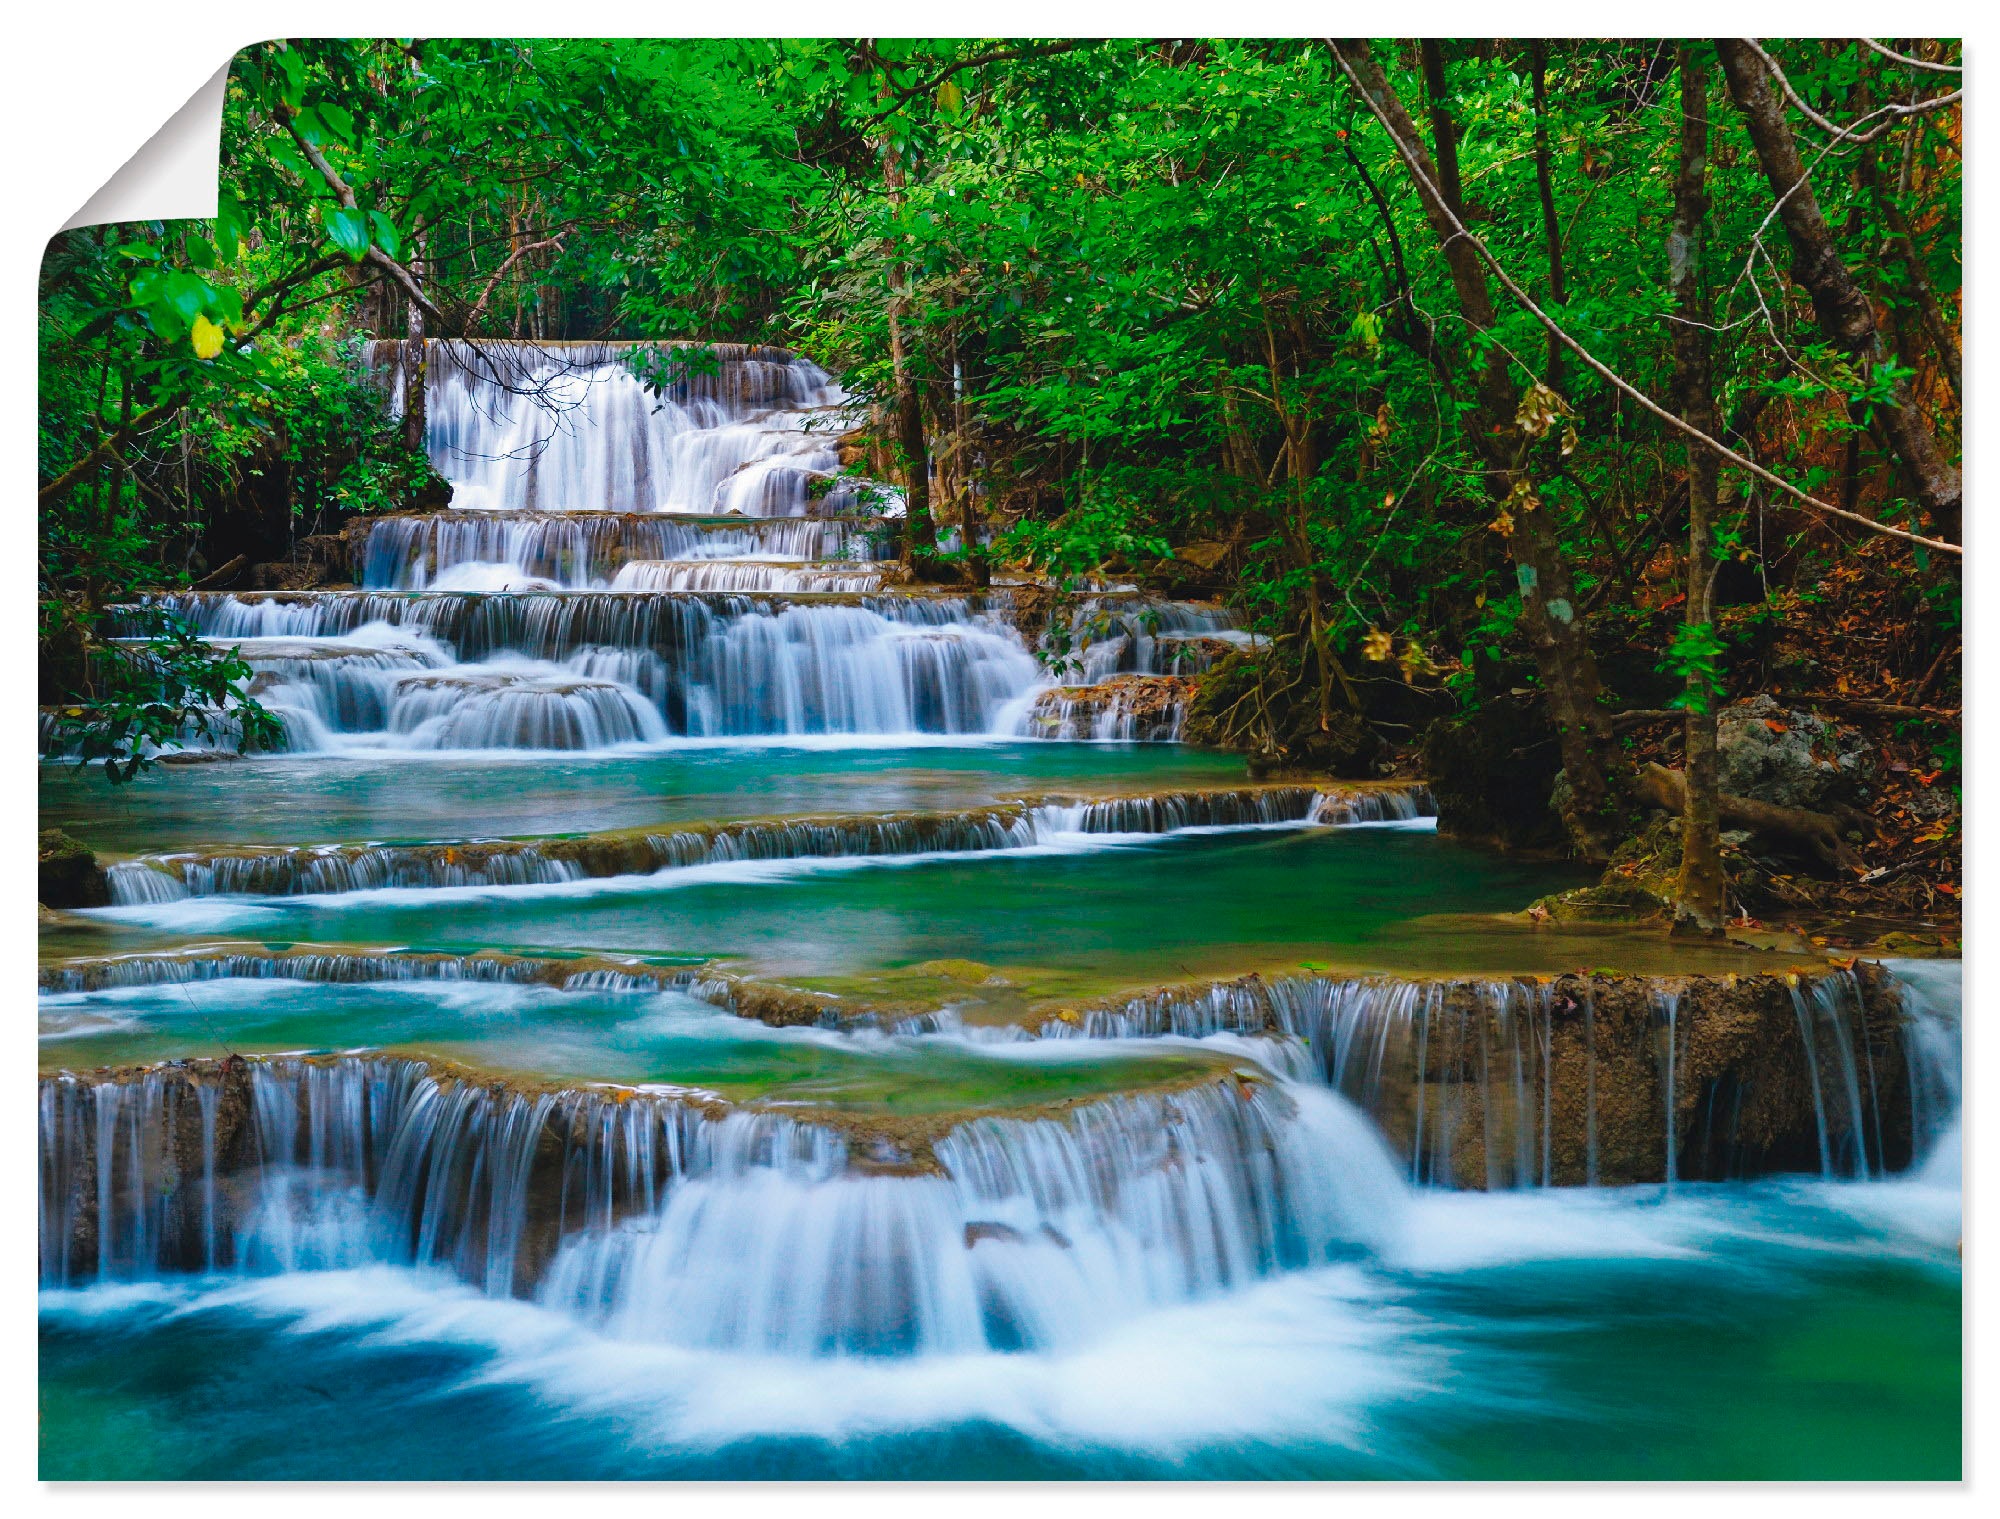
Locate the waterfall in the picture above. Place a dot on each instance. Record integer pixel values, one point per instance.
(663, 1217)
(317, 869)
(1121, 636)
(584, 551)
(575, 670)
(348, 968)
(1476, 1083)
(1667, 1000)
(1122, 709)
(567, 426)
(744, 575)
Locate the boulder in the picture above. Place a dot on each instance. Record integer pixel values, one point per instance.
(69, 875)
(1768, 753)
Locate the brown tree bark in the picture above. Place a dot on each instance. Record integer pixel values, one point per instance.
(1549, 619)
(1699, 906)
(919, 527)
(1846, 316)
(1538, 59)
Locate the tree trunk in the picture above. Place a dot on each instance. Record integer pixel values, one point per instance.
(919, 528)
(1549, 620)
(416, 367)
(978, 567)
(1846, 317)
(912, 453)
(1699, 906)
(1538, 54)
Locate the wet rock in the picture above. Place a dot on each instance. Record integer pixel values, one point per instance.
(316, 562)
(1792, 759)
(1129, 708)
(1347, 747)
(68, 874)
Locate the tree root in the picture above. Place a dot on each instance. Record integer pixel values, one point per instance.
(1815, 834)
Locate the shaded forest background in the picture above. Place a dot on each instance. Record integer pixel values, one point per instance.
(1579, 419)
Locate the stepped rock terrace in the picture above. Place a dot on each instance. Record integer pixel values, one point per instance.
(1015, 825)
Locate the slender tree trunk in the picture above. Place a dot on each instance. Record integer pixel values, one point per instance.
(1846, 316)
(977, 566)
(1549, 620)
(1699, 906)
(1538, 54)
(919, 527)
(920, 536)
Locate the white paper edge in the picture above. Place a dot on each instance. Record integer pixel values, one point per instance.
(173, 175)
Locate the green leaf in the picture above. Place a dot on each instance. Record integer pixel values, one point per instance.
(387, 238)
(231, 223)
(348, 231)
(339, 122)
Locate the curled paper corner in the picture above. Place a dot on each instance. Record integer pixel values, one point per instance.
(173, 175)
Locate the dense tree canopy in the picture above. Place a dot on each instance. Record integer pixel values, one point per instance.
(1397, 345)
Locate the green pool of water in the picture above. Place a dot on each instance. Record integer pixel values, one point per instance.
(317, 799)
(628, 1038)
(1060, 924)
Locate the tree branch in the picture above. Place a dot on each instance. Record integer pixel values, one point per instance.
(345, 194)
(1915, 63)
(1003, 55)
(1896, 113)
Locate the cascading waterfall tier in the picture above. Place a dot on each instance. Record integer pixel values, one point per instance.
(1112, 636)
(311, 870)
(584, 551)
(581, 670)
(670, 1216)
(344, 967)
(568, 426)
(1472, 1083)
(1571, 1080)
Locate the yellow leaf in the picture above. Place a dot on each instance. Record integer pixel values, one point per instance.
(207, 338)
(1377, 644)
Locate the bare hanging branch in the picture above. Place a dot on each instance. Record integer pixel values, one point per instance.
(1604, 371)
(1915, 63)
(1853, 134)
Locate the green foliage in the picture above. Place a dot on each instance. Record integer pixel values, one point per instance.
(170, 689)
(1696, 657)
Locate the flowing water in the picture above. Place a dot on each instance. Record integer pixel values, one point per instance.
(687, 1005)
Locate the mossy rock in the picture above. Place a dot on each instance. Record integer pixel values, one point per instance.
(1917, 946)
(68, 873)
(1621, 902)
